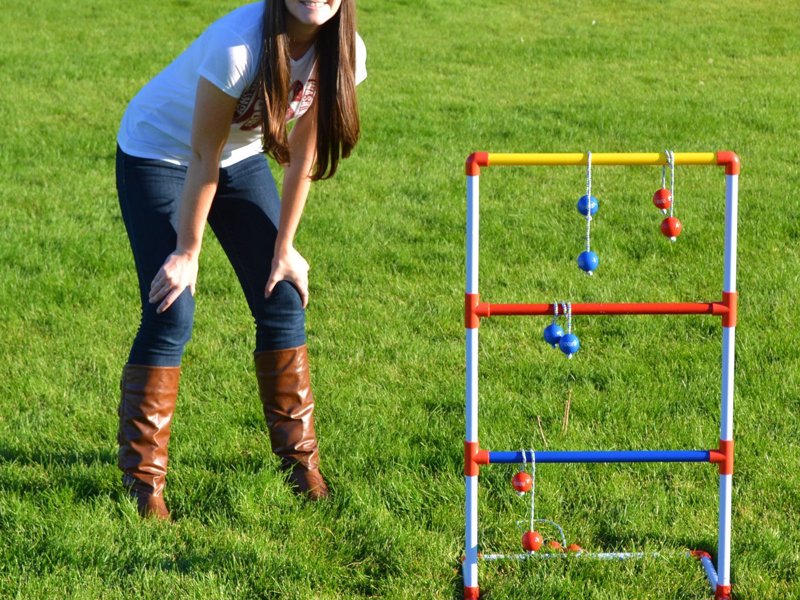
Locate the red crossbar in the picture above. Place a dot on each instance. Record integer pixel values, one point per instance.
(485, 309)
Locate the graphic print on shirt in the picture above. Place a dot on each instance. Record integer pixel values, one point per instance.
(248, 109)
(301, 98)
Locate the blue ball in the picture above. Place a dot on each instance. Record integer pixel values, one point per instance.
(588, 261)
(553, 334)
(588, 206)
(569, 344)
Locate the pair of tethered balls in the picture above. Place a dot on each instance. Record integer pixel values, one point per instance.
(588, 261)
(532, 540)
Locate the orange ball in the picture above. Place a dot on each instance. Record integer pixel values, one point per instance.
(554, 545)
(662, 199)
(532, 541)
(574, 548)
(522, 482)
(671, 227)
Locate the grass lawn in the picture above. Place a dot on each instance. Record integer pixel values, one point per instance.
(385, 239)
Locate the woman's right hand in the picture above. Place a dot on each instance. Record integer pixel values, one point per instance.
(177, 273)
(289, 265)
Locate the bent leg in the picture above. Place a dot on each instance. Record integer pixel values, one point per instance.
(149, 193)
(244, 219)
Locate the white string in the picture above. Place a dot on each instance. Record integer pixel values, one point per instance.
(588, 200)
(533, 484)
(569, 317)
(555, 312)
(671, 162)
(533, 520)
(558, 528)
(589, 173)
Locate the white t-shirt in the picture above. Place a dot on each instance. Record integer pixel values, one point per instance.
(158, 121)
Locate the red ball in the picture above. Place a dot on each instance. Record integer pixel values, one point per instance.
(662, 199)
(522, 482)
(671, 227)
(574, 548)
(532, 541)
(554, 545)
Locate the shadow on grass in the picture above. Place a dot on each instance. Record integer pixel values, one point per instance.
(40, 470)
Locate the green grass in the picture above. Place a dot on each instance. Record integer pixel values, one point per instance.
(386, 243)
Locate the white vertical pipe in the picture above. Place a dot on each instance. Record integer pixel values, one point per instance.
(473, 205)
(472, 288)
(729, 285)
(731, 225)
(724, 549)
(725, 481)
(472, 385)
(470, 567)
(728, 361)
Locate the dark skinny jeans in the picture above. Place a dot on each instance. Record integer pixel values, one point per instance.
(243, 217)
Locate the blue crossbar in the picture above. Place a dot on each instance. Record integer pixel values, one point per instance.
(601, 456)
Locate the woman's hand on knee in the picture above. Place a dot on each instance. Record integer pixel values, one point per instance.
(289, 265)
(177, 273)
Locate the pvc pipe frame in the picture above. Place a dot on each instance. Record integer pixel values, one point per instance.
(719, 579)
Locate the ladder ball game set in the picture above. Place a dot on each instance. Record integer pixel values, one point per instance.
(533, 543)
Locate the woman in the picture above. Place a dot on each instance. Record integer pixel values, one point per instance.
(189, 151)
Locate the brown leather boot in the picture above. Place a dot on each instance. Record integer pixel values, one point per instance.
(146, 407)
(285, 388)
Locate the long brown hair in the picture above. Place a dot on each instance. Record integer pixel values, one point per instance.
(335, 105)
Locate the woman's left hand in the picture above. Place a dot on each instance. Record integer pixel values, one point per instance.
(289, 265)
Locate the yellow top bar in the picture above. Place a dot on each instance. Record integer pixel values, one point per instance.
(600, 158)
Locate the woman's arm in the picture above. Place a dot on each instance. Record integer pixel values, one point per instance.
(211, 124)
(287, 264)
